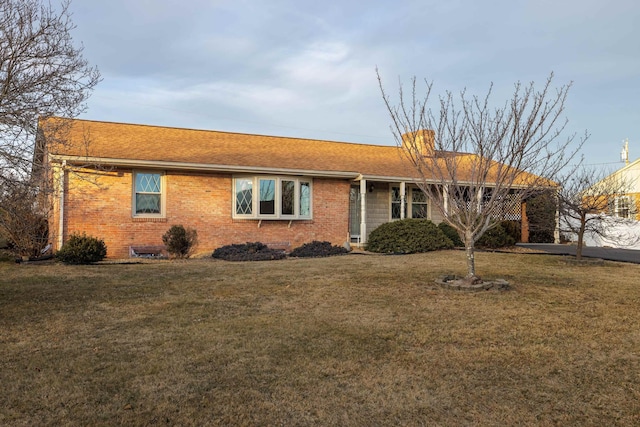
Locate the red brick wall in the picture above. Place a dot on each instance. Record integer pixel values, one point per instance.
(100, 205)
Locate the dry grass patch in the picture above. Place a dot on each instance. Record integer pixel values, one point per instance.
(353, 340)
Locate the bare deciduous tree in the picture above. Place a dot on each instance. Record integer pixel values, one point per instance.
(42, 74)
(585, 201)
(23, 219)
(476, 161)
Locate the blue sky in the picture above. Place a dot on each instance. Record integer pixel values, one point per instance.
(307, 68)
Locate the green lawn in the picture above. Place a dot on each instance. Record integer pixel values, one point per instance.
(347, 341)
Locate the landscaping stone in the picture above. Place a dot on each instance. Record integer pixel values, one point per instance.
(457, 283)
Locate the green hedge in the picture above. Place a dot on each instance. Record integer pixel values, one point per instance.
(496, 237)
(250, 251)
(408, 236)
(82, 249)
(451, 233)
(317, 249)
(504, 234)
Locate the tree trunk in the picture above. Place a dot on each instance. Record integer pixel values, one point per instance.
(583, 224)
(471, 258)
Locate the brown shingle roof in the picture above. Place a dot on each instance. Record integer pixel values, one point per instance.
(165, 144)
(149, 144)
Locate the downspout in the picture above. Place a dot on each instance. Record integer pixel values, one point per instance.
(363, 211)
(63, 172)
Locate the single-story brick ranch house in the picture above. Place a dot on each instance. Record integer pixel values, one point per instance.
(128, 183)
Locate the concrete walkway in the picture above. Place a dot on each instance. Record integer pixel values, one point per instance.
(611, 254)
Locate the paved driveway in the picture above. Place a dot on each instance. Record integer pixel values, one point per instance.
(612, 254)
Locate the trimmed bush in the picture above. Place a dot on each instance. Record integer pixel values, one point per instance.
(317, 249)
(495, 238)
(513, 229)
(541, 211)
(250, 251)
(180, 241)
(82, 249)
(451, 233)
(408, 236)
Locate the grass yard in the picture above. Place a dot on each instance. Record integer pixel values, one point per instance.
(358, 340)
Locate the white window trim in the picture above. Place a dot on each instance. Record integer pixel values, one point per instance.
(399, 202)
(163, 195)
(408, 201)
(628, 206)
(255, 198)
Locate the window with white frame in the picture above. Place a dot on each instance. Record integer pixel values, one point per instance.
(148, 194)
(622, 205)
(416, 204)
(396, 203)
(272, 197)
(419, 204)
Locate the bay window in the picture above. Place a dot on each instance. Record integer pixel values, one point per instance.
(275, 197)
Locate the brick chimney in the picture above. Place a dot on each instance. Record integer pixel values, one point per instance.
(422, 141)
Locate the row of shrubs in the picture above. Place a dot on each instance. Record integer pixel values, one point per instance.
(83, 249)
(401, 237)
(421, 235)
(398, 237)
(256, 251)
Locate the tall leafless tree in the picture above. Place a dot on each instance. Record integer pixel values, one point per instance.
(586, 200)
(42, 74)
(476, 161)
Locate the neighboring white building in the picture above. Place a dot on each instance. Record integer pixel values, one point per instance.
(623, 234)
(626, 205)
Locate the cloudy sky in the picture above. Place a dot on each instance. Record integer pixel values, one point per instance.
(307, 68)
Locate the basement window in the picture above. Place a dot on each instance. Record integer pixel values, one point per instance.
(271, 197)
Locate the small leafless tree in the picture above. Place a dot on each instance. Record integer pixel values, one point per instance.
(476, 161)
(23, 218)
(42, 74)
(585, 203)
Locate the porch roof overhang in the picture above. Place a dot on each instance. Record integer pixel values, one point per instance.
(413, 180)
(81, 161)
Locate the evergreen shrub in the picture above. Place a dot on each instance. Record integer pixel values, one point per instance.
(451, 233)
(82, 249)
(408, 236)
(496, 237)
(180, 241)
(317, 249)
(541, 211)
(513, 229)
(250, 251)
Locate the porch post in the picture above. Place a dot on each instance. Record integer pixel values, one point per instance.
(556, 231)
(445, 196)
(524, 223)
(61, 207)
(363, 211)
(403, 199)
